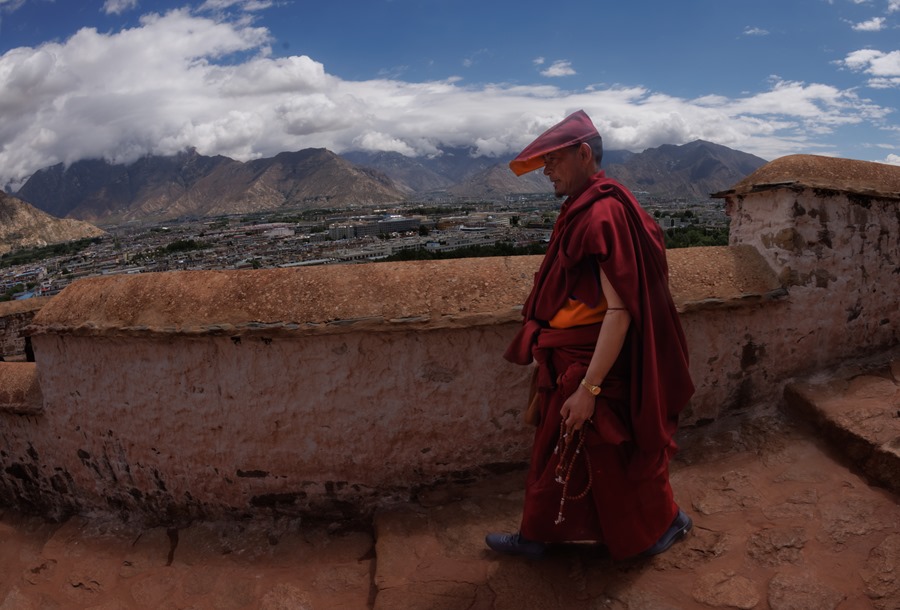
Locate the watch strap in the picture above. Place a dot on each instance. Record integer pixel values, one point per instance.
(593, 389)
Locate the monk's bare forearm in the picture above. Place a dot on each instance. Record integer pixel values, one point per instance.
(609, 345)
(579, 407)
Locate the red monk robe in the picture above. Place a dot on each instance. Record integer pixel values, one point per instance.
(623, 498)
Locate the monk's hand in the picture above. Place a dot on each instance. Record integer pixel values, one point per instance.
(577, 409)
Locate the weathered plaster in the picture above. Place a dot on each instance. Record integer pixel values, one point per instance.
(15, 316)
(194, 425)
(331, 390)
(20, 392)
(185, 394)
(841, 268)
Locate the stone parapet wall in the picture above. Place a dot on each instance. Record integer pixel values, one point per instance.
(838, 256)
(318, 390)
(187, 394)
(830, 230)
(15, 316)
(333, 390)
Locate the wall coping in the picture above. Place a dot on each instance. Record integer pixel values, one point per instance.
(372, 297)
(11, 308)
(829, 173)
(721, 276)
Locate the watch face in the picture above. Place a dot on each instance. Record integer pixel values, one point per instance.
(593, 389)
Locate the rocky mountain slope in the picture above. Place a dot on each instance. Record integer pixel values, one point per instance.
(693, 170)
(689, 171)
(409, 174)
(190, 184)
(157, 188)
(24, 226)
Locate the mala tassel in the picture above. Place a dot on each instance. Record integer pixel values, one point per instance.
(566, 465)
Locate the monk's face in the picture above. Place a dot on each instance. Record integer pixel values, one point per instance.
(569, 169)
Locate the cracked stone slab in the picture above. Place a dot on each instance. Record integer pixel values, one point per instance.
(789, 591)
(858, 411)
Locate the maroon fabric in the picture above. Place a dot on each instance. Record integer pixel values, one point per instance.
(631, 441)
(605, 227)
(574, 129)
(626, 515)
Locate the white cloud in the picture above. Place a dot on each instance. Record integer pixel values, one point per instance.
(817, 108)
(751, 31)
(473, 59)
(243, 5)
(161, 87)
(376, 141)
(559, 68)
(875, 24)
(892, 159)
(884, 68)
(117, 7)
(893, 6)
(539, 61)
(884, 83)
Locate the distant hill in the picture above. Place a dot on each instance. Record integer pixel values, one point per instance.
(24, 226)
(498, 181)
(157, 188)
(421, 175)
(190, 184)
(690, 171)
(409, 174)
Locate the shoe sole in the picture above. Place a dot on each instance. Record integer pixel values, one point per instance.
(678, 535)
(505, 549)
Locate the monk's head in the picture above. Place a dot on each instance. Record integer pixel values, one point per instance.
(570, 153)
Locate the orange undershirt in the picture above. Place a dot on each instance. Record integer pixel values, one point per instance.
(576, 313)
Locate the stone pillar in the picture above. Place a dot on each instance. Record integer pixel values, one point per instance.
(829, 229)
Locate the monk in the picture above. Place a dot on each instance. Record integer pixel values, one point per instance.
(611, 374)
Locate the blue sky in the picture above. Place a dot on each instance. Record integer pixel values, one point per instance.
(250, 78)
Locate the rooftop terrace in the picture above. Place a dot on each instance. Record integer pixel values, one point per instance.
(344, 437)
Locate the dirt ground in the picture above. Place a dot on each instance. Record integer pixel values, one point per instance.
(780, 521)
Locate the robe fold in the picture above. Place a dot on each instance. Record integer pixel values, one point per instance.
(630, 440)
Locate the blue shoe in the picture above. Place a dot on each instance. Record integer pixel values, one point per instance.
(514, 544)
(678, 530)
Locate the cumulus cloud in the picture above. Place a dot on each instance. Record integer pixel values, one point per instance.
(560, 67)
(883, 68)
(242, 5)
(117, 7)
(183, 79)
(893, 6)
(875, 24)
(750, 31)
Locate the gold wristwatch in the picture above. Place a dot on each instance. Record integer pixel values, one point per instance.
(593, 389)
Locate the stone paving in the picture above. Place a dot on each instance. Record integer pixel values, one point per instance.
(778, 523)
(784, 518)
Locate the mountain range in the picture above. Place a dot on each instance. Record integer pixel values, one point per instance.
(156, 188)
(689, 171)
(24, 226)
(159, 188)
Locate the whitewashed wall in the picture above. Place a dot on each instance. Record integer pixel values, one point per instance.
(331, 391)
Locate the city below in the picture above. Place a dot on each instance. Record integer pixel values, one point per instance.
(317, 237)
